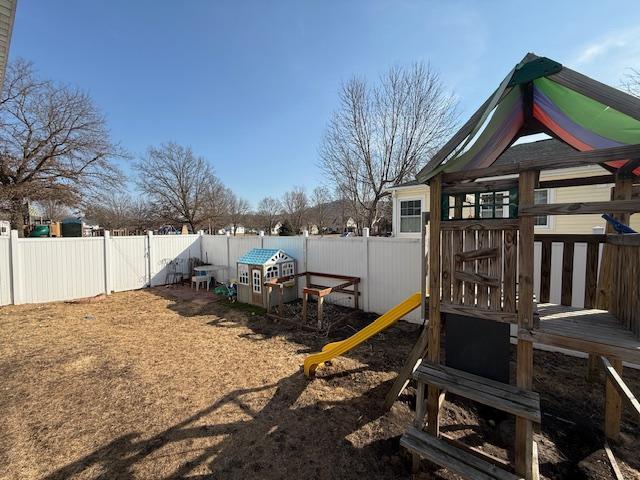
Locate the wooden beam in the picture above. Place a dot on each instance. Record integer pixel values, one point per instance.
(580, 208)
(548, 162)
(616, 380)
(570, 237)
(567, 274)
(478, 278)
(524, 363)
(612, 404)
(477, 254)
(416, 355)
(433, 400)
(577, 182)
(485, 224)
(612, 460)
(625, 239)
(470, 311)
(482, 186)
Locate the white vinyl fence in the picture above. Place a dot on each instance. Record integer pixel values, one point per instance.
(51, 269)
(35, 270)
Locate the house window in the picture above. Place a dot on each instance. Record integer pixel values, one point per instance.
(494, 208)
(541, 197)
(272, 272)
(410, 212)
(243, 274)
(287, 269)
(257, 284)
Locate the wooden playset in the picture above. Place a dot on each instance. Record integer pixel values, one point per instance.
(481, 256)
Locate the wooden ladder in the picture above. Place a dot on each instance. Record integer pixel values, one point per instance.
(508, 398)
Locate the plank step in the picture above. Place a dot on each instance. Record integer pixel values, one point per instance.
(446, 455)
(505, 397)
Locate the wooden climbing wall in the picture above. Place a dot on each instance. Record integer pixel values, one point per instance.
(479, 267)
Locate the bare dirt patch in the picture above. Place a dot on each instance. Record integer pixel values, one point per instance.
(143, 385)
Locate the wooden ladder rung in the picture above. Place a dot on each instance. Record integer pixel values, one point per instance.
(446, 455)
(505, 397)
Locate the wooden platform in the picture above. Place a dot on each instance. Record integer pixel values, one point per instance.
(446, 455)
(502, 396)
(584, 330)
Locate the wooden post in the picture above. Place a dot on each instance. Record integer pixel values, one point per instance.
(268, 288)
(612, 405)
(433, 353)
(524, 369)
(356, 301)
(305, 300)
(281, 307)
(320, 304)
(419, 420)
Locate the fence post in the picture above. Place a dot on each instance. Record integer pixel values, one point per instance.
(228, 235)
(305, 248)
(200, 239)
(16, 268)
(261, 238)
(365, 237)
(107, 263)
(150, 255)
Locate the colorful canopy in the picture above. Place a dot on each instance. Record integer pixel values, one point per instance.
(541, 95)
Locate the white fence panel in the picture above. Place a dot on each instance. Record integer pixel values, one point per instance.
(394, 273)
(342, 256)
(294, 246)
(214, 249)
(5, 271)
(129, 263)
(51, 269)
(165, 248)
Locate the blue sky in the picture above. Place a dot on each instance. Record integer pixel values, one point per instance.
(250, 85)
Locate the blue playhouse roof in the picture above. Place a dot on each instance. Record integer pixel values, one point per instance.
(258, 256)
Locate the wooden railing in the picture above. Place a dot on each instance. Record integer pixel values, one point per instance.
(569, 241)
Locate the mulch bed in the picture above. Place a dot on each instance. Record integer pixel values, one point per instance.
(145, 385)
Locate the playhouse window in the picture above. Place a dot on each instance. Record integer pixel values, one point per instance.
(410, 211)
(541, 197)
(243, 274)
(287, 269)
(257, 285)
(272, 272)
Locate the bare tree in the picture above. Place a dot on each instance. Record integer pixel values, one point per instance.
(54, 210)
(319, 213)
(238, 210)
(268, 212)
(631, 82)
(177, 183)
(381, 135)
(54, 143)
(217, 204)
(295, 204)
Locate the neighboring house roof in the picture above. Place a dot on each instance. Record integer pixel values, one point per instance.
(541, 95)
(410, 183)
(523, 151)
(7, 16)
(264, 256)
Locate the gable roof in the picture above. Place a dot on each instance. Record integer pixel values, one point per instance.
(523, 151)
(541, 95)
(263, 256)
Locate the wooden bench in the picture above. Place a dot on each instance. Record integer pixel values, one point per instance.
(505, 397)
(446, 455)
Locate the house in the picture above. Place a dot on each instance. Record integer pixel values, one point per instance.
(411, 198)
(259, 265)
(5, 228)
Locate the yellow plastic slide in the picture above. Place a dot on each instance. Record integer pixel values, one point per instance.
(335, 349)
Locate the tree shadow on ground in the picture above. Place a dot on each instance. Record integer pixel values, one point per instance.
(385, 351)
(285, 438)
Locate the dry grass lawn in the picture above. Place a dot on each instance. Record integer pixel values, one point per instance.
(143, 385)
